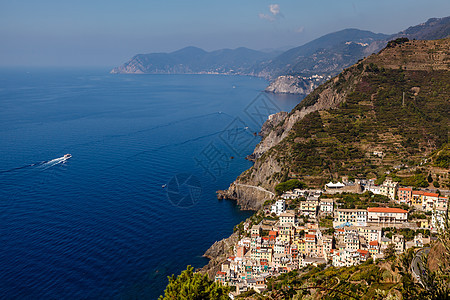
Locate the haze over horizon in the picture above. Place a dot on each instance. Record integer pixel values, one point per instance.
(107, 33)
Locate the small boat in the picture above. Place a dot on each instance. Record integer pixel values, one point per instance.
(164, 185)
(67, 156)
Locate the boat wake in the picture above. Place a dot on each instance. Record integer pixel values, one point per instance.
(44, 165)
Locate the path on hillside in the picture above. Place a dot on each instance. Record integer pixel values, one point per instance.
(256, 187)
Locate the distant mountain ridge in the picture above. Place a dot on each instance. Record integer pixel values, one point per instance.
(294, 71)
(191, 60)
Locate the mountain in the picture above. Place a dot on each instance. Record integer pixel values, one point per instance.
(326, 55)
(394, 102)
(194, 60)
(433, 29)
(330, 54)
(297, 71)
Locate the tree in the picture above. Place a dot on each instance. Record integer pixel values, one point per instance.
(289, 186)
(193, 286)
(389, 251)
(430, 178)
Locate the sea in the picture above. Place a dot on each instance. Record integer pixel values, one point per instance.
(136, 202)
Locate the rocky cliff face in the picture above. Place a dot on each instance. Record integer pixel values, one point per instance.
(328, 97)
(294, 84)
(218, 254)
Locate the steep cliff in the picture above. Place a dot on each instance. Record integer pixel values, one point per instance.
(290, 84)
(218, 254)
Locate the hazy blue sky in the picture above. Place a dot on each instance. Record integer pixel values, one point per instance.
(109, 32)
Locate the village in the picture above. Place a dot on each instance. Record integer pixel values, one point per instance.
(306, 227)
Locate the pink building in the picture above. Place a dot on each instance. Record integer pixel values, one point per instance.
(404, 195)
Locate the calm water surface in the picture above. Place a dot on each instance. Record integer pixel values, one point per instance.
(136, 202)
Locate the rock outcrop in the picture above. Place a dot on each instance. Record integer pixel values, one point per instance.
(248, 197)
(218, 254)
(290, 84)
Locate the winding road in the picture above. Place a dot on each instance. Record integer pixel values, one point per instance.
(417, 264)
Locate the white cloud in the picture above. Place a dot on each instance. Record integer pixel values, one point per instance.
(274, 9)
(266, 17)
(273, 15)
(300, 29)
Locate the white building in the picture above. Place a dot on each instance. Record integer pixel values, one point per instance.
(287, 218)
(438, 218)
(386, 215)
(279, 207)
(389, 188)
(356, 217)
(326, 206)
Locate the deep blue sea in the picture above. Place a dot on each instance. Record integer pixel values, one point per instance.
(136, 202)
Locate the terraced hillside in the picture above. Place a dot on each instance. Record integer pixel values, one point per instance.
(395, 102)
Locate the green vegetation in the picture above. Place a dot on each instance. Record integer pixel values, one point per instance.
(442, 158)
(382, 110)
(326, 222)
(358, 201)
(289, 186)
(194, 286)
(365, 281)
(396, 42)
(406, 232)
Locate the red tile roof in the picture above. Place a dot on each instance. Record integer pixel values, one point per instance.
(405, 189)
(310, 236)
(431, 194)
(418, 193)
(373, 243)
(221, 273)
(362, 251)
(386, 210)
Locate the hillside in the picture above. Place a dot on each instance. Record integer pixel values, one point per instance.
(396, 102)
(327, 55)
(296, 66)
(194, 60)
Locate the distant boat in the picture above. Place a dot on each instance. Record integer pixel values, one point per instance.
(67, 156)
(164, 185)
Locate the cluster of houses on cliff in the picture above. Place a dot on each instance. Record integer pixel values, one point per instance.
(292, 239)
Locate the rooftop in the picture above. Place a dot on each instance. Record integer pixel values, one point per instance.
(386, 210)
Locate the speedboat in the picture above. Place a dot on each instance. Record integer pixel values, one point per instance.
(67, 156)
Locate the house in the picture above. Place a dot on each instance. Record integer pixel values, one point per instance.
(429, 201)
(438, 218)
(374, 247)
(289, 195)
(357, 217)
(404, 195)
(399, 242)
(309, 208)
(240, 251)
(287, 217)
(310, 243)
(386, 215)
(279, 207)
(346, 258)
(351, 241)
(416, 198)
(389, 188)
(256, 231)
(370, 233)
(363, 254)
(326, 206)
(220, 277)
(301, 193)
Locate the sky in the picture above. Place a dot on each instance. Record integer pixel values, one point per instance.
(109, 32)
